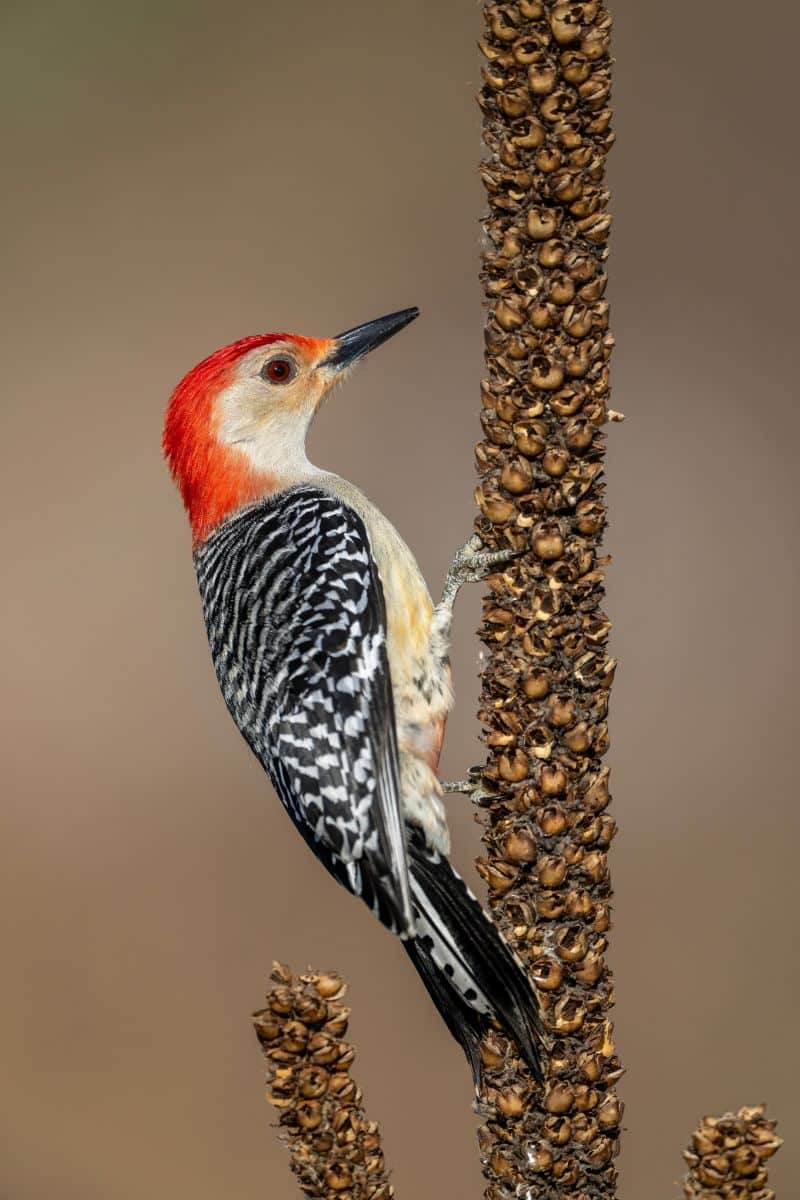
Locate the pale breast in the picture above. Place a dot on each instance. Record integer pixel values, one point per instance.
(420, 685)
(408, 602)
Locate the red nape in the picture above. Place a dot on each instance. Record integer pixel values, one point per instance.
(214, 479)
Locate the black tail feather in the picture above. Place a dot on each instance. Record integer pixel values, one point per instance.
(469, 971)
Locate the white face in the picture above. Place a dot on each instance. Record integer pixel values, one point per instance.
(267, 408)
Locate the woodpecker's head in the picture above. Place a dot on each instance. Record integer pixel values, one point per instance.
(236, 425)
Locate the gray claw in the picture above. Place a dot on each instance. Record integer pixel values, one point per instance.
(471, 563)
(467, 787)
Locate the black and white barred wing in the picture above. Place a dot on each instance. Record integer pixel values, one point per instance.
(296, 618)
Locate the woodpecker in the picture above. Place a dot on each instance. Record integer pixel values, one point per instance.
(334, 661)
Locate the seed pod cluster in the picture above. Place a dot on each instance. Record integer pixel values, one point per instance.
(728, 1157)
(335, 1150)
(546, 126)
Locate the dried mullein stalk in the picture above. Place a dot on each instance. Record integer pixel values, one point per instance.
(547, 675)
(728, 1157)
(335, 1151)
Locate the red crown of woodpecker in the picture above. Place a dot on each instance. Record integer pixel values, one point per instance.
(213, 480)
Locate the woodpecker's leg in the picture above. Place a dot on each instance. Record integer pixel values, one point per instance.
(472, 787)
(470, 564)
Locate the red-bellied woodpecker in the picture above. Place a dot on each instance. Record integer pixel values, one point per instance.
(333, 660)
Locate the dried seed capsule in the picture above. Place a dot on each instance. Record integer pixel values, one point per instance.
(591, 1066)
(309, 1115)
(552, 253)
(323, 1050)
(586, 1098)
(546, 374)
(313, 1083)
(267, 1026)
(512, 245)
(541, 78)
(569, 132)
(527, 50)
(745, 1161)
(566, 186)
(336, 1025)
(542, 316)
(549, 905)
(584, 1129)
(515, 103)
(565, 22)
(514, 769)
(520, 847)
(548, 543)
(510, 1103)
(542, 223)
(552, 781)
(577, 739)
(339, 1177)
(609, 1113)
(595, 865)
(579, 904)
(507, 316)
(517, 476)
(595, 44)
(503, 23)
(579, 361)
(595, 227)
(295, 1036)
(532, 137)
(597, 797)
(557, 1130)
(551, 871)
(578, 323)
(500, 876)
(344, 1088)
(311, 1010)
(559, 1099)
(561, 711)
(527, 440)
(547, 973)
(568, 400)
(571, 943)
(555, 462)
(578, 437)
(330, 986)
(281, 1001)
(600, 1152)
(602, 917)
(496, 509)
(548, 159)
(569, 1015)
(575, 67)
(561, 289)
(536, 685)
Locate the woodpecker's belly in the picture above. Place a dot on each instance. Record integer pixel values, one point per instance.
(421, 683)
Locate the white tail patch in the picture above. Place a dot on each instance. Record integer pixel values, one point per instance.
(438, 940)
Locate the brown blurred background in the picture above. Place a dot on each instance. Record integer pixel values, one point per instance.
(178, 174)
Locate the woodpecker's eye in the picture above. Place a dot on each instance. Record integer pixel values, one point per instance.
(278, 370)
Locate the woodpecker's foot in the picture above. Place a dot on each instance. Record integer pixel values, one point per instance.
(472, 563)
(472, 787)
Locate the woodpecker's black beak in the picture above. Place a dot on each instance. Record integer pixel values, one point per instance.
(355, 343)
